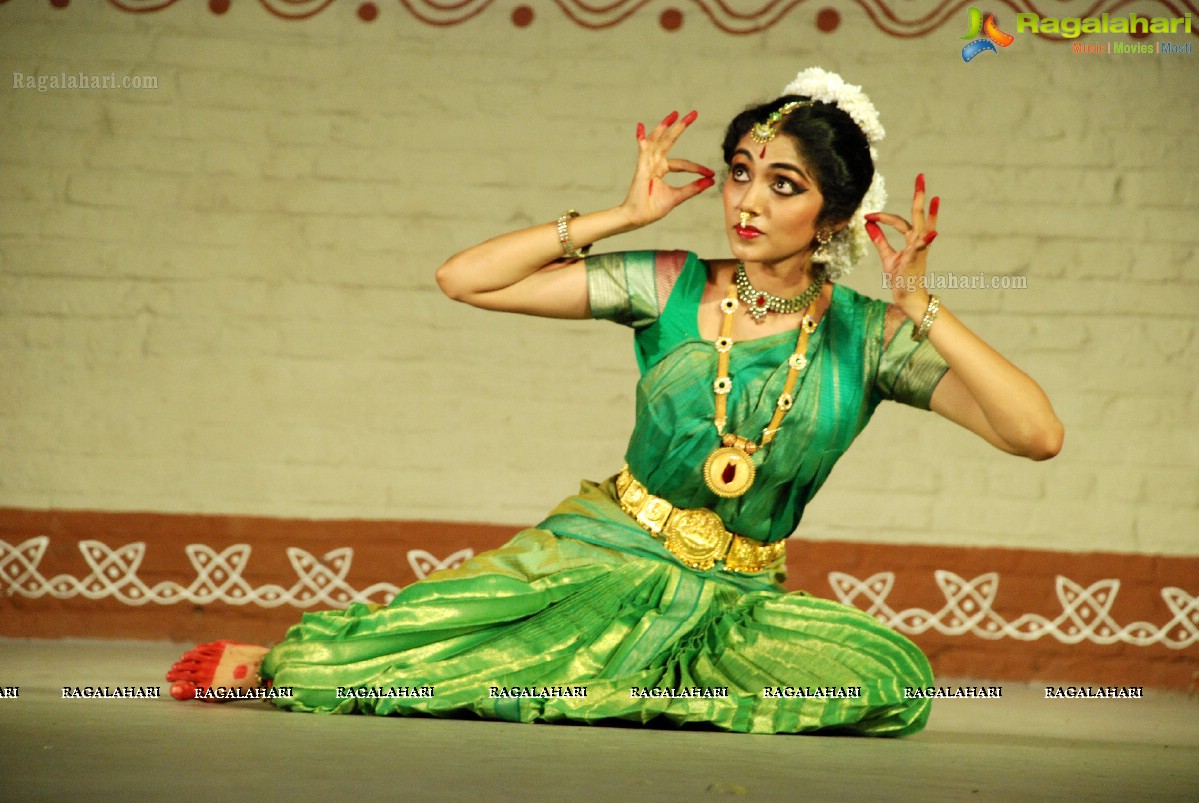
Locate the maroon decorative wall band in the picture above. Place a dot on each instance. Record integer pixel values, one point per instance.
(1004, 614)
(735, 18)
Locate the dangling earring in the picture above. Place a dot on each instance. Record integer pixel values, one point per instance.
(822, 256)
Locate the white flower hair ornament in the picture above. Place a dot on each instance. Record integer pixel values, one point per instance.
(851, 243)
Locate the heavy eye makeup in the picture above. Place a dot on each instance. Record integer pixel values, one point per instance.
(779, 181)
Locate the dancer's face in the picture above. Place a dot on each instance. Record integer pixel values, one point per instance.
(779, 191)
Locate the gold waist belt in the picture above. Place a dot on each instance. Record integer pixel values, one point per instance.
(696, 536)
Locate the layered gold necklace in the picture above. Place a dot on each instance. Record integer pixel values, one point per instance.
(729, 470)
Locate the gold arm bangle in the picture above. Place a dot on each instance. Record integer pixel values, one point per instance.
(568, 247)
(930, 315)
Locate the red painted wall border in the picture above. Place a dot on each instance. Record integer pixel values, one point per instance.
(1005, 614)
(895, 19)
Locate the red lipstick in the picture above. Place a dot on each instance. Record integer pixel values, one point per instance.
(747, 232)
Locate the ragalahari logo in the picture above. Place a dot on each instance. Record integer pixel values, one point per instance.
(984, 35)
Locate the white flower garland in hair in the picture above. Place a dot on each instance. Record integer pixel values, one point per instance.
(851, 243)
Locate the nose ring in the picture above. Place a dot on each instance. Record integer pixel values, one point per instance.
(744, 219)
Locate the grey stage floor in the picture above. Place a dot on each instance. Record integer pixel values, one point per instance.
(1022, 747)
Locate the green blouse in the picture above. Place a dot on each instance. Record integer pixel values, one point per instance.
(849, 372)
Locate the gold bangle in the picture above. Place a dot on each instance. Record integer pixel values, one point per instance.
(930, 315)
(568, 248)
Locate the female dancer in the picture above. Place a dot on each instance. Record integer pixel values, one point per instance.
(656, 594)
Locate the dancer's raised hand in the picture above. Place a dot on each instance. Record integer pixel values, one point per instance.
(650, 197)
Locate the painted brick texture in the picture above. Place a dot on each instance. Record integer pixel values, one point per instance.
(217, 296)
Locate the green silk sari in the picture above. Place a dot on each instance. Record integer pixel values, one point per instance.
(587, 618)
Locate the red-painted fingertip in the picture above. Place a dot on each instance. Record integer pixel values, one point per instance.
(920, 183)
(706, 172)
(705, 182)
(872, 217)
(671, 118)
(690, 118)
(182, 690)
(640, 131)
(873, 230)
(934, 205)
(928, 238)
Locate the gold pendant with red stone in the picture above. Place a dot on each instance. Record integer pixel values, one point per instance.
(758, 308)
(730, 470)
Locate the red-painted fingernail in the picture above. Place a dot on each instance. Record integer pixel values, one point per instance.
(640, 131)
(671, 118)
(934, 205)
(873, 230)
(704, 171)
(928, 238)
(690, 118)
(872, 217)
(704, 183)
(920, 183)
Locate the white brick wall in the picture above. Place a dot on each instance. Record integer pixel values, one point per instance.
(218, 296)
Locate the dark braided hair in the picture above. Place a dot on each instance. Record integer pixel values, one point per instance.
(828, 140)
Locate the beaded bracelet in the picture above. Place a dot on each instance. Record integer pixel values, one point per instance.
(930, 315)
(568, 248)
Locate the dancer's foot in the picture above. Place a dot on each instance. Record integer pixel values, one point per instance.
(227, 664)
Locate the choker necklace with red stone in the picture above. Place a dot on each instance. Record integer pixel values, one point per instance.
(760, 302)
(729, 470)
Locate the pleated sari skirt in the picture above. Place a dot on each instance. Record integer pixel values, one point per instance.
(586, 619)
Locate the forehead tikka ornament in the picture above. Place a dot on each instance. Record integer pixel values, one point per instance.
(762, 133)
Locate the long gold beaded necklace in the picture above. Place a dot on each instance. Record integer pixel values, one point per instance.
(729, 470)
